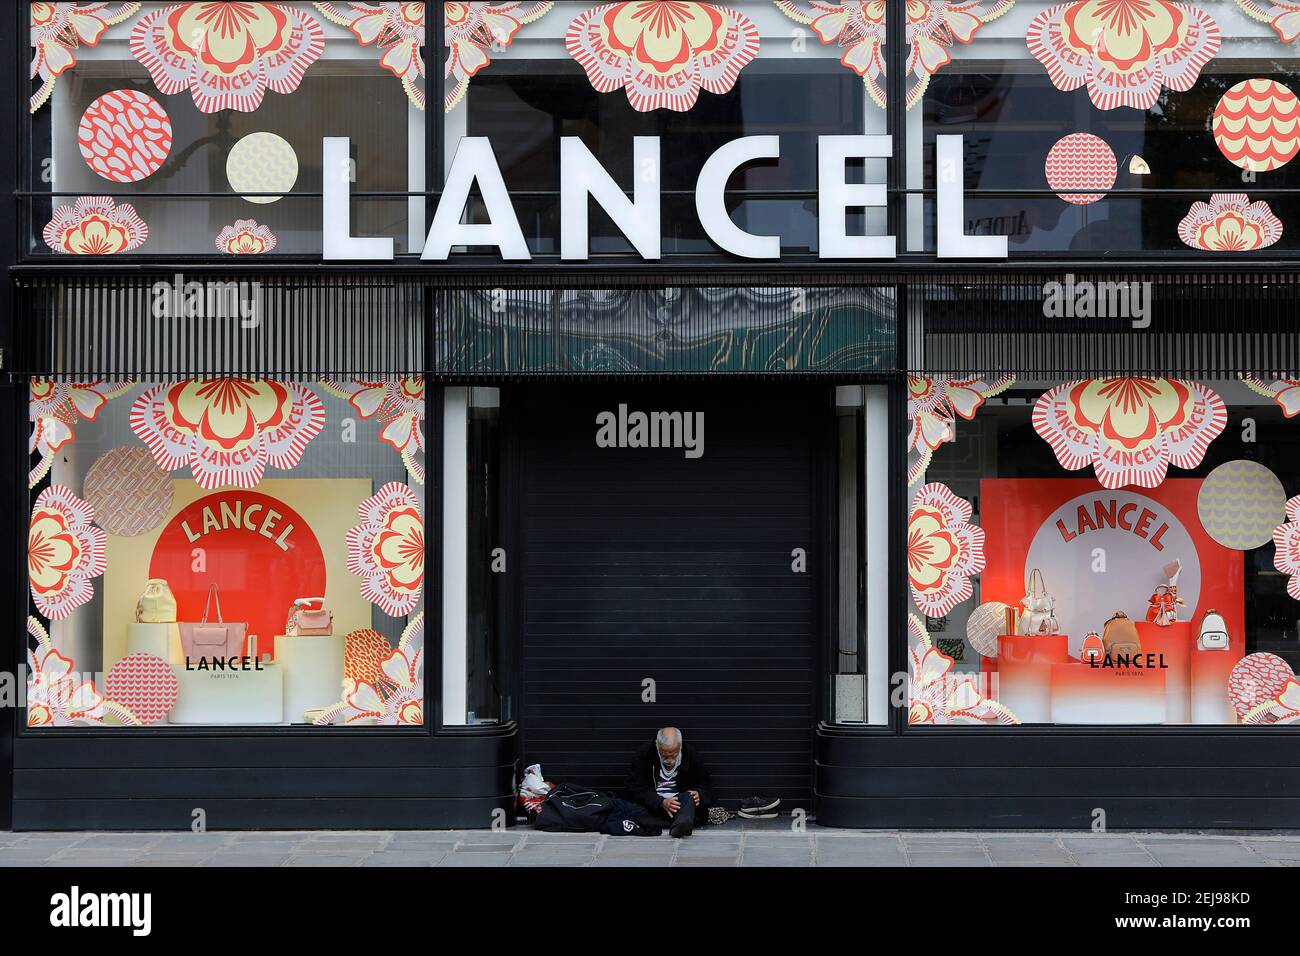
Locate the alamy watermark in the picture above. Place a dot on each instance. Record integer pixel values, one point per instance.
(208, 299)
(633, 429)
(1088, 299)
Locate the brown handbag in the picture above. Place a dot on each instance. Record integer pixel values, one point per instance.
(305, 621)
(211, 640)
(1120, 636)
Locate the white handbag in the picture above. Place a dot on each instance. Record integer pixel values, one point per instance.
(1039, 616)
(1214, 632)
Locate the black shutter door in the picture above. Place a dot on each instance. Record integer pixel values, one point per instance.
(639, 564)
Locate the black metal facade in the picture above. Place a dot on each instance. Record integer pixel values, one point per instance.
(1212, 317)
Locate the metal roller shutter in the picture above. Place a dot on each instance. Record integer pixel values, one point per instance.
(640, 563)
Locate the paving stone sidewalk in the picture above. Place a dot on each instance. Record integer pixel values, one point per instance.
(752, 843)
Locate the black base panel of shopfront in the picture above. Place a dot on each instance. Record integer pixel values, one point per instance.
(642, 564)
(1057, 780)
(265, 783)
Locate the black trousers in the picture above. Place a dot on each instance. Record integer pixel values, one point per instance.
(685, 814)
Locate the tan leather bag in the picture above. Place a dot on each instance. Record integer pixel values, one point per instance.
(1120, 636)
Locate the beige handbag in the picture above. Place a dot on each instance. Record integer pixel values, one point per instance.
(306, 621)
(157, 605)
(1040, 608)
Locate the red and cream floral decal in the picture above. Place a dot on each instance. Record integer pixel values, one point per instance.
(662, 52)
(1130, 429)
(387, 549)
(228, 430)
(938, 695)
(1284, 391)
(1286, 545)
(1283, 17)
(933, 404)
(395, 28)
(54, 407)
(57, 29)
(95, 226)
(859, 27)
(59, 696)
(470, 28)
(1125, 51)
(1256, 125)
(245, 237)
(227, 54)
(1230, 223)
(398, 402)
(64, 551)
(395, 696)
(943, 550)
(1284, 708)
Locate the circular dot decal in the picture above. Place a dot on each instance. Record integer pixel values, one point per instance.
(1080, 161)
(1240, 503)
(125, 136)
(1257, 125)
(262, 163)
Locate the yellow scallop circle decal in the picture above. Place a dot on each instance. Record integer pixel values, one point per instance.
(1240, 503)
(262, 163)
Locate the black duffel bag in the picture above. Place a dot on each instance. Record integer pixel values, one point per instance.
(571, 809)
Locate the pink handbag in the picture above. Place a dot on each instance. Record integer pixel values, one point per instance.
(207, 640)
(307, 621)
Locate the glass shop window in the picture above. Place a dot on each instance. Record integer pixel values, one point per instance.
(1176, 121)
(696, 75)
(1111, 550)
(226, 552)
(163, 136)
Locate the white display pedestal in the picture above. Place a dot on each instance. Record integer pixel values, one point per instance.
(313, 672)
(228, 698)
(160, 640)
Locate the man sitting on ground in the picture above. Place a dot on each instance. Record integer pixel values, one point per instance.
(669, 780)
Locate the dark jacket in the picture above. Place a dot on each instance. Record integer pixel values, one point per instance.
(692, 775)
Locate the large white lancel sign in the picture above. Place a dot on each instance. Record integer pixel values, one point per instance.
(582, 178)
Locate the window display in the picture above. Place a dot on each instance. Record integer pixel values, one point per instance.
(226, 552)
(1109, 550)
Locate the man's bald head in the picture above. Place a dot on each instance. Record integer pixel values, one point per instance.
(669, 744)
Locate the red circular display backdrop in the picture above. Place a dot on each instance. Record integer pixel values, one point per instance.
(258, 570)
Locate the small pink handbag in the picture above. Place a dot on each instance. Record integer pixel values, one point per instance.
(209, 640)
(307, 621)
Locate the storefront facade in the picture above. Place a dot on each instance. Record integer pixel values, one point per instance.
(901, 399)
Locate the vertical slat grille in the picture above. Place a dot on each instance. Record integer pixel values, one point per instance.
(177, 327)
(1192, 325)
(289, 326)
